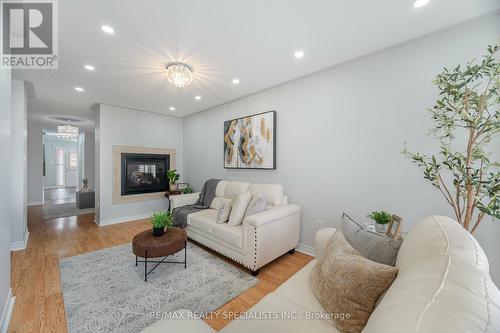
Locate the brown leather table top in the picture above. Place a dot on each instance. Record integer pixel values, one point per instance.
(172, 241)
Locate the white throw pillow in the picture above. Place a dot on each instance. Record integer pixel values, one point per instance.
(224, 211)
(257, 204)
(240, 205)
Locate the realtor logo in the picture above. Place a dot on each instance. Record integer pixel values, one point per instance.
(29, 34)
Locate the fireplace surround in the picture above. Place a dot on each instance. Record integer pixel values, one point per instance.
(118, 151)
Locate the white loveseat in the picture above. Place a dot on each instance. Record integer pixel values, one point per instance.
(261, 237)
(442, 286)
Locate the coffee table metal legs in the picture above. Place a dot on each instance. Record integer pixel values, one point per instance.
(145, 261)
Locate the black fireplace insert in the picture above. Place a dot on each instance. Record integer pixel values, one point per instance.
(144, 173)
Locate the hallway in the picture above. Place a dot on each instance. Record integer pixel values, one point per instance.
(56, 196)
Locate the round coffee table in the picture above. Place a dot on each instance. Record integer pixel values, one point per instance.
(146, 246)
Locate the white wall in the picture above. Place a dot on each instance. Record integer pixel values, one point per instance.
(90, 158)
(340, 133)
(5, 195)
(35, 164)
(121, 126)
(19, 189)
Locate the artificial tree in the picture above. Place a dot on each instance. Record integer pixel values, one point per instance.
(468, 106)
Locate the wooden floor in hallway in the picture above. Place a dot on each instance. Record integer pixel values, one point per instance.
(35, 277)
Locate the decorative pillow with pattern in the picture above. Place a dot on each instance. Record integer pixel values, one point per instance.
(240, 205)
(257, 204)
(224, 210)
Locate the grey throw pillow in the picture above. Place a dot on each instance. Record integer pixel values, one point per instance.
(373, 246)
(257, 204)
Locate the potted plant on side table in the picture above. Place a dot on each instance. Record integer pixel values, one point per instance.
(159, 221)
(173, 177)
(381, 219)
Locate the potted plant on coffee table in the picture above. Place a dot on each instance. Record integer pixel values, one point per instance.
(381, 219)
(159, 221)
(173, 177)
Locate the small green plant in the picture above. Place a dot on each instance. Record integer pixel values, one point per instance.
(161, 219)
(187, 190)
(380, 217)
(173, 176)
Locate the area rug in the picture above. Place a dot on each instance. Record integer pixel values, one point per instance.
(51, 212)
(105, 292)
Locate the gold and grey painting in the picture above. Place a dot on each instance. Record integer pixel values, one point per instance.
(249, 142)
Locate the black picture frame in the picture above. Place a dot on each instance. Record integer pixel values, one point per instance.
(225, 127)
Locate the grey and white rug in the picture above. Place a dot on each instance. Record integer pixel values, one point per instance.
(51, 212)
(105, 292)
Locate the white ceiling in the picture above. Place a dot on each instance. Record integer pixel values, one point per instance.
(222, 39)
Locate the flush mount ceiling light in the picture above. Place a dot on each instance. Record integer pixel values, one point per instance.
(420, 3)
(67, 131)
(79, 89)
(197, 97)
(236, 81)
(107, 29)
(89, 68)
(179, 74)
(298, 54)
(172, 108)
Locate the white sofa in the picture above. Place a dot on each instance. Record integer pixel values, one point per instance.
(261, 237)
(443, 285)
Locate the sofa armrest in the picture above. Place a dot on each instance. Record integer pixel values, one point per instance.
(183, 199)
(270, 215)
(321, 239)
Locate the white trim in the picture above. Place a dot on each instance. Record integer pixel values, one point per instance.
(35, 203)
(21, 245)
(96, 220)
(7, 312)
(121, 219)
(50, 187)
(307, 249)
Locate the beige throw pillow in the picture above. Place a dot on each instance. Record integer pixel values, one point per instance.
(224, 210)
(240, 205)
(348, 285)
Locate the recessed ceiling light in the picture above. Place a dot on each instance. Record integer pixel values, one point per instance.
(172, 108)
(89, 67)
(107, 29)
(298, 54)
(236, 81)
(197, 97)
(79, 89)
(420, 3)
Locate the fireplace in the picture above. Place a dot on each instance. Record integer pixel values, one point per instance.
(144, 173)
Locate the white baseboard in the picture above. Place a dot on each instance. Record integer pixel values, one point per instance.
(35, 203)
(96, 220)
(21, 245)
(7, 312)
(122, 219)
(306, 249)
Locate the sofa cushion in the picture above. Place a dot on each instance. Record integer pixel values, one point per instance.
(257, 204)
(440, 235)
(273, 192)
(203, 220)
(221, 188)
(345, 282)
(273, 310)
(233, 189)
(372, 245)
(297, 290)
(232, 234)
(239, 208)
(439, 294)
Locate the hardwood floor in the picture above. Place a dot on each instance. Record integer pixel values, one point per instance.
(35, 278)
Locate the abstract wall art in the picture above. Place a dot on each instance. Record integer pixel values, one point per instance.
(250, 142)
